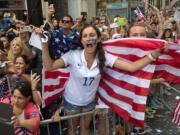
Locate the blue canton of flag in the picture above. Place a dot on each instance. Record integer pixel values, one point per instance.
(4, 88)
(60, 44)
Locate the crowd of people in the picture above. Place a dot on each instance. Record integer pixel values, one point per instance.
(82, 51)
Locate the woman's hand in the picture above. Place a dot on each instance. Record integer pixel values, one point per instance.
(15, 121)
(3, 55)
(157, 52)
(166, 84)
(56, 117)
(34, 80)
(155, 8)
(38, 31)
(24, 36)
(10, 67)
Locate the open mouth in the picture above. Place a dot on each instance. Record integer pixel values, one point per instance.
(89, 45)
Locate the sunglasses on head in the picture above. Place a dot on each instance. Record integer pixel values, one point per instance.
(66, 21)
(102, 22)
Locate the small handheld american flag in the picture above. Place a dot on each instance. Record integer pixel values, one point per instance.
(176, 114)
(138, 13)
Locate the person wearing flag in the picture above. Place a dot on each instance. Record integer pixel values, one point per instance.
(139, 31)
(86, 67)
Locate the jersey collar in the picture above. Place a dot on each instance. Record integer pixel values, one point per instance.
(84, 60)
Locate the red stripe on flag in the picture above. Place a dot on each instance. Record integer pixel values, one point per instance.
(128, 100)
(123, 113)
(50, 99)
(176, 113)
(130, 57)
(125, 85)
(18, 131)
(168, 76)
(139, 74)
(55, 74)
(61, 84)
(144, 44)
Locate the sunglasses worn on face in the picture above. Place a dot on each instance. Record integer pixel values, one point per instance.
(66, 21)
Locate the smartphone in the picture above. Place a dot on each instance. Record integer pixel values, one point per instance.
(8, 14)
(47, 27)
(97, 18)
(27, 28)
(6, 113)
(83, 13)
(1, 46)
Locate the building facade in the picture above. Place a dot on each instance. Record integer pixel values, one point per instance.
(71, 7)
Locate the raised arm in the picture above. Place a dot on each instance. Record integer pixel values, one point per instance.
(161, 22)
(49, 63)
(36, 94)
(135, 66)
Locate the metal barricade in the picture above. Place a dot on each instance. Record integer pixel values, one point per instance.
(115, 127)
(162, 97)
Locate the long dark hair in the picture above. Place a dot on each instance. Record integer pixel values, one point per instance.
(24, 57)
(24, 88)
(99, 49)
(26, 61)
(164, 34)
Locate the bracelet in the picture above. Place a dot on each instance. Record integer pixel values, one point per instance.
(151, 57)
(34, 90)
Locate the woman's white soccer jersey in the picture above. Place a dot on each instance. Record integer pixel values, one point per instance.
(83, 82)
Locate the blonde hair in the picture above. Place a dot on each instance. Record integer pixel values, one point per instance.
(11, 55)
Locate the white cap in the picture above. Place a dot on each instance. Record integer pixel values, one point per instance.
(115, 35)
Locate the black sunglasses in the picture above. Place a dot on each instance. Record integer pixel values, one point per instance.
(66, 21)
(102, 22)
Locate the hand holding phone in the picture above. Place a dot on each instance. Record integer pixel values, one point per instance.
(27, 28)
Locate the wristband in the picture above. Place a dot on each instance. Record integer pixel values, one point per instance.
(34, 90)
(151, 57)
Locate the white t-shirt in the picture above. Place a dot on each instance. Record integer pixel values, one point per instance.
(83, 82)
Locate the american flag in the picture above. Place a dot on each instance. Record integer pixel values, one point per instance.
(138, 13)
(168, 65)
(143, 1)
(172, 3)
(176, 114)
(22, 131)
(124, 92)
(54, 82)
(4, 87)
